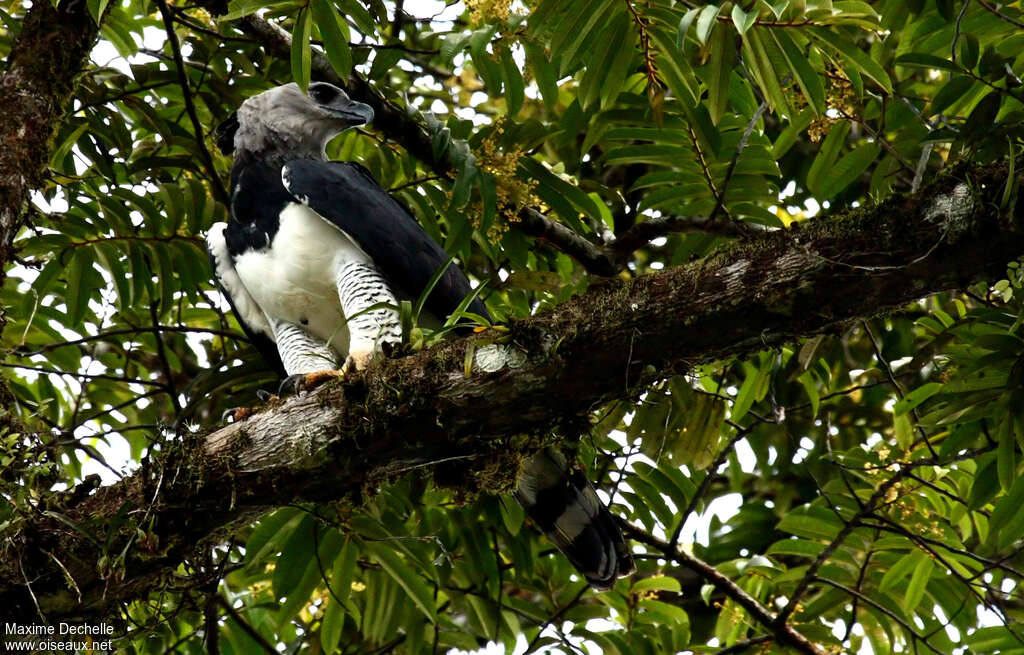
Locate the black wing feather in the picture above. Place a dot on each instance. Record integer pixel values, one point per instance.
(346, 194)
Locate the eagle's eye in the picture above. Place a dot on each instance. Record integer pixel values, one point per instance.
(323, 94)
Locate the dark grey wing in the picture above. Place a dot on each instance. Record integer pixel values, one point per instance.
(564, 505)
(345, 194)
(245, 309)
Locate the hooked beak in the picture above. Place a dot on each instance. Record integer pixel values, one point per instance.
(337, 103)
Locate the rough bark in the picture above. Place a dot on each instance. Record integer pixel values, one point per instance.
(45, 60)
(423, 412)
(36, 86)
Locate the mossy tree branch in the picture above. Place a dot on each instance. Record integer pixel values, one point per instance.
(36, 85)
(423, 412)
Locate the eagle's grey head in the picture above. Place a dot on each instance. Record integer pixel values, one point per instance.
(286, 121)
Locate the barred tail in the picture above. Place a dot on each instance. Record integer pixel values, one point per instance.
(565, 506)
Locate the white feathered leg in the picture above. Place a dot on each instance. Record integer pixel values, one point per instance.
(360, 287)
(301, 352)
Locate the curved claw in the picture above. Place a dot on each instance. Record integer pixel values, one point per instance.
(291, 384)
(303, 382)
(265, 396)
(236, 414)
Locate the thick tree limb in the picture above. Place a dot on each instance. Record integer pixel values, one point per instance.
(36, 85)
(424, 412)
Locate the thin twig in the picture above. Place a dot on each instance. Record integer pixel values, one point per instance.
(995, 11)
(28, 585)
(784, 633)
(922, 164)
(554, 617)
(956, 30)
(216, 184)
(165, 363)
(705, 483)
(896, 385)
(745, 645)
(883, 609)
(720, 202)
(244, 625)
(228, 334)
(82, 376)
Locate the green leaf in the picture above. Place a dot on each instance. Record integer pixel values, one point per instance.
(916, 397)
(759, 55)
(110, 258)
(514, 94)
(810, 385)
(953, 91)
(97, 8)
(697, 444)
(918, 581)
(986, 485)
(754, 388)
(333, 31)
(674, 68)
(854, 55)
(323, 547)
(79, 289)
(270, 533)
(605, 77)
(993, 639)
(924, 60)
(706, 21)
(340, 587)
(65, 146)
(848, 169)
(799, 547)
(827, 154)
(663, 613)
(512, 516)
(1006, 455)
(1007, 506)
(383, 62)
(904, 431)
(684, 25)
(354, 9)
(415, 587)
(901, 569)
(577, 38)
(788, 138)
(946, 10)
(743, 20)
(983, 116)
(295, 557)
(720, 65)
(544, 73)
(300, 52)
(464, 183)
(811, 523)
(1011, 532)
(805, 76)
(657, 583)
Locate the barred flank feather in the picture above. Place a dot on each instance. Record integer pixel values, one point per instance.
(565, 506)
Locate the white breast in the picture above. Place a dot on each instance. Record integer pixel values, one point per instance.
(293, 279)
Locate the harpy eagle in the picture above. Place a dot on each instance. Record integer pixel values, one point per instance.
(311, 242)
